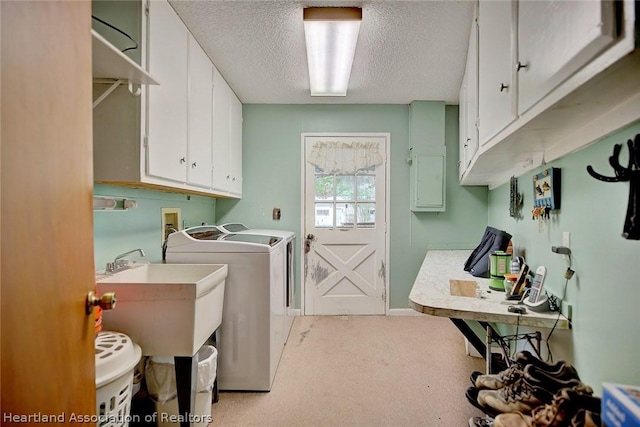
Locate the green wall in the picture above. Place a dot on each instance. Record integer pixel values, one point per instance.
(116, 232)
(605, 289)
(272, 178)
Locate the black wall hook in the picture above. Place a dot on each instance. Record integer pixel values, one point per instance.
(630, 173)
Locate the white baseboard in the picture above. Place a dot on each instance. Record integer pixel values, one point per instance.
(404, 312)
(295, 312)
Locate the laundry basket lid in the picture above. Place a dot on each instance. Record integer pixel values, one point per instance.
(115, 355)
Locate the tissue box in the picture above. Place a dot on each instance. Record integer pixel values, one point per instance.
(620, 405)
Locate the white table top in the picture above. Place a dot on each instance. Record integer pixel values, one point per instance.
(430, 294)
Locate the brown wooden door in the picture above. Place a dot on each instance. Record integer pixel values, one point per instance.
(46, 213)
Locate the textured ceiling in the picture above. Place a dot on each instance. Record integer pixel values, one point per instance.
(407, 50)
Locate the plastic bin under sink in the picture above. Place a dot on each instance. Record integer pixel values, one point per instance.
(167, 309)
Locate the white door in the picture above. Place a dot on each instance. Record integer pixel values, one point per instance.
(345, 214)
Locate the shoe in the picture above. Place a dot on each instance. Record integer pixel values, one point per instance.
(569, 407)
(472, 396)
(560, 369)
(499, 380)
(526, 358)
(517, 397)
(513, 419)
(564, 378)
(480, 422)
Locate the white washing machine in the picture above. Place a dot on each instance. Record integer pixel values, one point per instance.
(290, 267)
(254, 326)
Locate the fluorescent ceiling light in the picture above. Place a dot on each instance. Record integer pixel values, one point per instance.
(331, 34)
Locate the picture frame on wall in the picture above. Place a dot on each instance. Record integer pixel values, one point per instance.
(546, 188)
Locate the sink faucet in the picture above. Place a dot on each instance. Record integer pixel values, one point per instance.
(119, 263)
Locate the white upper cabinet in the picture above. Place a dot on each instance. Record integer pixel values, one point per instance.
(553, 77)
(469, 103)
(200, 116)
(556, 38)
(167, 105)
(221, 131)
(177, 136)
(235, 151)
(496, 74)
(227, 138)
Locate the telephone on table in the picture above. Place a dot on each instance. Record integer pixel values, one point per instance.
(537, 300)
(534, 298)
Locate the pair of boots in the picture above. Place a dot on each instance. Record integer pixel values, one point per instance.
(527, 384)
(535, 393)
(568, 408)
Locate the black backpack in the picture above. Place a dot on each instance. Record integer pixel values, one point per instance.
(493, 240)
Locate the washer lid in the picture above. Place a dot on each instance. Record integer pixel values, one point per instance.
(233, 227)
(115, 355)
(253, 238)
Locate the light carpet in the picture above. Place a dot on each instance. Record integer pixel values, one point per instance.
(362, 371)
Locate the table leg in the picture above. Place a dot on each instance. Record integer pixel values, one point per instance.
(489, 355)
(470, 335)
(186, 383)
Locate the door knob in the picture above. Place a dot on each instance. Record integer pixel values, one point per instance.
(107, 301)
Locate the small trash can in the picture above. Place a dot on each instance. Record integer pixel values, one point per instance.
(116, 358)
(161, 385)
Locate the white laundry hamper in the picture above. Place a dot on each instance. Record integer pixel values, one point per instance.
(116, 358)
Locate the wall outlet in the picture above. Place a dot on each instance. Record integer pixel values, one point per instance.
(171, 220)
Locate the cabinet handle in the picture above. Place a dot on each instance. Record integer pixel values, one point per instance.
(520, 65)
(193, 165)
(503, 87)
(182, 160)
(228, 176)
(234, 179)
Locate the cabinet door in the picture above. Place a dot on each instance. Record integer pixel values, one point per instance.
(496, 73)
(200, 116)
(235, 147)
(462, 120)
(221, 131)
(555, 39)
(469, 102)
(429, 188)
(167, 103)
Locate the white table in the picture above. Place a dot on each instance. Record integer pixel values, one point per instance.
(430, 294)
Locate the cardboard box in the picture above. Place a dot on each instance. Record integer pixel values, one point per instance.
(620, 405)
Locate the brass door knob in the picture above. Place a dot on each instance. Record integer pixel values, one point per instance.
(107, 301)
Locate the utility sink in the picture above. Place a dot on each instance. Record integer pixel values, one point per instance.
(167, 309)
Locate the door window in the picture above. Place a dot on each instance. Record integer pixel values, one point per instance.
(345, 200)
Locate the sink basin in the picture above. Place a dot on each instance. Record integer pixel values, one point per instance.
(167, 309)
